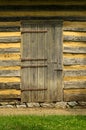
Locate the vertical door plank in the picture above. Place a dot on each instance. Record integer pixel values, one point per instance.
(40, 56)
(59, 61)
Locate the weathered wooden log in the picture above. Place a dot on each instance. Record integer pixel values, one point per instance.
(9, 28)
(74, 38)
(10, 62)
(74, 29)
(75, 72)
(81, 50)
(10, 39)
(74, 84)
(8, 73)
(74, 61)
(15, 85)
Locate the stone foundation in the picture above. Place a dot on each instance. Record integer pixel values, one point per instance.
(58, 105)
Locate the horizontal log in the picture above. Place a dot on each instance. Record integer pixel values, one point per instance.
(74, 84)
(10, 97)
(9, 28)
(9, 50)
(10, 62)
(71, 29)
(9, 73)
(42, 7)
(74, 61)
(75, 72)
(10, 39)
(18, 18)
(74, 38)
(15, 85)
(43, 2)
(81, 50)
(75, 95)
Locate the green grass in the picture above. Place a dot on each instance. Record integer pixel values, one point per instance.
(42, 122)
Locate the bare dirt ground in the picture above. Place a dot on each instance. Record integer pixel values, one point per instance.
(41, 111)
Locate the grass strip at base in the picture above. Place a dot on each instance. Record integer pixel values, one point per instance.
(52, 122)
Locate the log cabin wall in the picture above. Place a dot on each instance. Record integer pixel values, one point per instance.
(10, 40)
(73, 15)
(74, 60)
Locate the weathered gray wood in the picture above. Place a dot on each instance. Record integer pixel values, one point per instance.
(15, 85)
(41, 54)
(9, 50)
(81, 50)
(9, 28)
(59, 46)
(74, 61)
(74, 84)
(10, 63)
(42, 46)
(74, 38)
(10, 39)
(74, 29)
(60, 85)
(75, 72)
(8, 73)
(55, 62)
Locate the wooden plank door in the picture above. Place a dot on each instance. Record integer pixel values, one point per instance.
(41, 73)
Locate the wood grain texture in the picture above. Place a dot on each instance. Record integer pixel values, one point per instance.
(75, 72)
(78, 50)
(9, 28)
(12, 39)
(74, 84)
(9, 73)
(75, 38)
(42, 46)
(10, 62)
(74, 61)
(75, 29)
